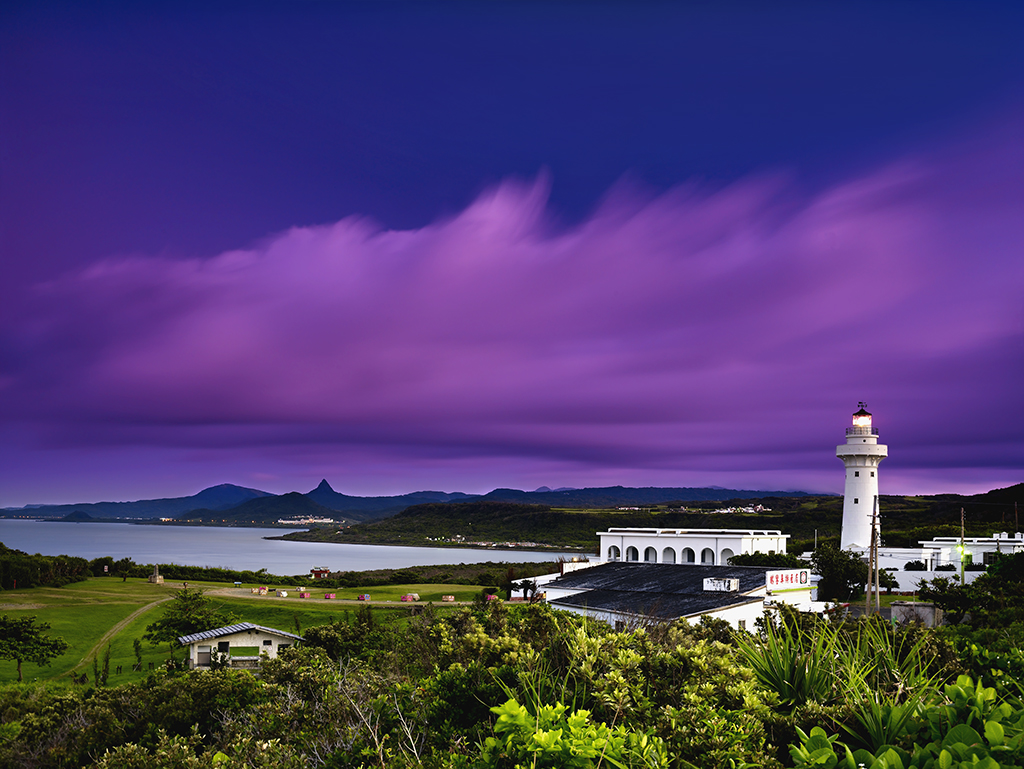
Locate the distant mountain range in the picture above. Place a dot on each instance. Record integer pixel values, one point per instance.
(220, 497)
(236, 504)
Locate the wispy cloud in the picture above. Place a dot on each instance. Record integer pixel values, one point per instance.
(705, 330)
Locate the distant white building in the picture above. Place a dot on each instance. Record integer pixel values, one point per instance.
(704, 547)
(945, 551)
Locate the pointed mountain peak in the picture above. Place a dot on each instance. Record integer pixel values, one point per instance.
(324, 486)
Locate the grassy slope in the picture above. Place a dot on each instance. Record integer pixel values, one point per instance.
(83, 612)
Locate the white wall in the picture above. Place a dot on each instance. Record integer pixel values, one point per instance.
(244, 638)
(694, 546)
(746, 613)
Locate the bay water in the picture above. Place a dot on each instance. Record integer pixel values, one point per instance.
(234, 548)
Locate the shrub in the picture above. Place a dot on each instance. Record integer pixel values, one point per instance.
(914, 566)
(551, 738)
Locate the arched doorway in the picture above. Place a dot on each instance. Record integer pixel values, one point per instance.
(668, 555)
(688, 555)
(614, 553)
(726, 555)
(651, 555)
(632, 554)
(707, 557)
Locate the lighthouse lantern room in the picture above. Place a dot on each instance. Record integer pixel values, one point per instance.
(861, 454)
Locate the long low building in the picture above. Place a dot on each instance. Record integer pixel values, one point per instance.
(626, 594)
(707, 547)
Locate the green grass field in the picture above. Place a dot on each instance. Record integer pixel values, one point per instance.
(91, 614)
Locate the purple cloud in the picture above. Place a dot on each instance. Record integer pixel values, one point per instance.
(695, 337)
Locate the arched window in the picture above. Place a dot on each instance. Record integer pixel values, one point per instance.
(707, 557)
(614, 553)
(668, 555)
(726, 555)
(651, 555)
(688, 555)
(632, 554)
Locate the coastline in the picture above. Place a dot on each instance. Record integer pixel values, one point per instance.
(497, 546)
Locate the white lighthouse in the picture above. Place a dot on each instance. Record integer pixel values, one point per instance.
(862, 453)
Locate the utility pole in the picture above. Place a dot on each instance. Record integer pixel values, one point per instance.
(878, 543)
(874, 579)
(871, 563)
(961, 547)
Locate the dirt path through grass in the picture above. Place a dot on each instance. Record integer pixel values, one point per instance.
(95, 650)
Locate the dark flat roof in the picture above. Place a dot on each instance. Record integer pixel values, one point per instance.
(655, 589)
(637, 576)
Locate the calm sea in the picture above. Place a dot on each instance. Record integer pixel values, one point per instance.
(233, 548)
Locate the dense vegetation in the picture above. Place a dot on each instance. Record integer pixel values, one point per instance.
(18, 569)
(499, 685)
(995, 600)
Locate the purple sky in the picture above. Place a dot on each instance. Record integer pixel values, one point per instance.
(464, 246)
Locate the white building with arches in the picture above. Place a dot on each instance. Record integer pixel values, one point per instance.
(694, 547)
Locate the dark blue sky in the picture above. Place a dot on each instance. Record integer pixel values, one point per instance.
(169, 131)
(193, 128)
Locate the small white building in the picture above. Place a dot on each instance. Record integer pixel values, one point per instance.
(944, 551)
(242, 644)
(705, 547)
(976, 549)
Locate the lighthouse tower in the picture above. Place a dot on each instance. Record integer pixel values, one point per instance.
(862, 453)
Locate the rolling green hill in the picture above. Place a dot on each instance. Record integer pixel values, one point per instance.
(905, 520)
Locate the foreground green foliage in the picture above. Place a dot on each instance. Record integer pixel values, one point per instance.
(549, 737)
(501, 685)
(969, 729)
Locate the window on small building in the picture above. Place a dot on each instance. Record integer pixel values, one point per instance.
(741, 624)
(872, 473)
(267, 642)
(990, 557)
(855, 500)
(856, 473)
